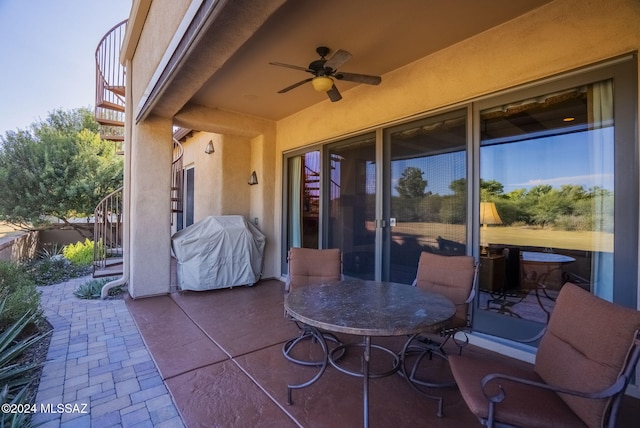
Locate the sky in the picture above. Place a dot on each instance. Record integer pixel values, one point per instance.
(47, 49)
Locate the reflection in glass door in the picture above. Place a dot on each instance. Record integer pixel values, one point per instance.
(426, 192)
(547, 200)
(352, 199)
(304, 200)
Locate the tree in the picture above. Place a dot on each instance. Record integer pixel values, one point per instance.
(411, 184)
(59, 168)
(411, 187)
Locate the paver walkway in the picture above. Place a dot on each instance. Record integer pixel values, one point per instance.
(98, 367)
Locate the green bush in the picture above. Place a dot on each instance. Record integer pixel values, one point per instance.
(18, 291)
(92, 289)
(80, 253)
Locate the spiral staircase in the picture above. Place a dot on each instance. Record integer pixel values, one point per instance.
(109, 112)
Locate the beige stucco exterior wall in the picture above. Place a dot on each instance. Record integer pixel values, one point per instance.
(150, 221)
(207, 168)
(556, 38)
(560, 36)
(162, 20)
(221, 179)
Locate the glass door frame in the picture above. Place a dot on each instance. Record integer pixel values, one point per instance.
(385, 190)
(624, 74)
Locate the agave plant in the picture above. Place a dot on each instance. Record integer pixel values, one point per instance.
(15, 378)
(18, 419)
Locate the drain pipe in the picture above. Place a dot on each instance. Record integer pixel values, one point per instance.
(112, 284)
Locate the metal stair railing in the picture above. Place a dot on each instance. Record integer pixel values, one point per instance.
(107, 231)
(177, 185)
(110, 83)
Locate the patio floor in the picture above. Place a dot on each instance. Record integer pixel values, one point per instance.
(219, 353)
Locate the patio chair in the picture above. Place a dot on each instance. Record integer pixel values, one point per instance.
(509, 295)
(454, 277)
(583, 365)
(309, 266)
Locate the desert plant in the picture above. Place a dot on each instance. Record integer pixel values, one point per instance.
(80, 253)
(18, 291)
(54, 270)
(50, 251)
(92, 289)
(16, 375)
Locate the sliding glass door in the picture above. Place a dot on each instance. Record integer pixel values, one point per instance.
(352, 204)
(539, 184)
(554, 164)
(425, 192)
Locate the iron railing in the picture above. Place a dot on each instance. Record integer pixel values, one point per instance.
(110, 84)
(107, 232)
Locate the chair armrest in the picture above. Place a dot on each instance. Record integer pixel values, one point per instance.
(611, 390)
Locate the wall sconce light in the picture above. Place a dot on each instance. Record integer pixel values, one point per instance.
(209, 148)
(253, 179)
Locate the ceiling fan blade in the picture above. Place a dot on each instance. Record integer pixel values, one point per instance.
(295, 85)
(334, 94)
(337, 59)
(360, 78)
(295, 67)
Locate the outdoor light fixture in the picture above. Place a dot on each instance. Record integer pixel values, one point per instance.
(253, 179)
(322, 83)
(209, 148)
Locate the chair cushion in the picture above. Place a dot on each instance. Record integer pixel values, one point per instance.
(523, 405)
(585, 348)
(451, 276)
(313, 266)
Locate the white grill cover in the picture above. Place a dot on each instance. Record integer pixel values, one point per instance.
(218, 252)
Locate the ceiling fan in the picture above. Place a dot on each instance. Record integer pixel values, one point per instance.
(325, 70)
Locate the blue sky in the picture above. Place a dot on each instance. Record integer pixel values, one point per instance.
(47, 49)
(581, 158)
(584, 158)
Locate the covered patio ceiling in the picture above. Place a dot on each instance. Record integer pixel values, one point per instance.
(226, 65)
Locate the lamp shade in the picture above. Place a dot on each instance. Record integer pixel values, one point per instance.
(322, 83)
(489, 214)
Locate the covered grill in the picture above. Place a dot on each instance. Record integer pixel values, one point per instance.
(218, 252)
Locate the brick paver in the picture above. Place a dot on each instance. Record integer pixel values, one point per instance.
(98, 371)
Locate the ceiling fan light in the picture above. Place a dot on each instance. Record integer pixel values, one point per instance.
(322, 83)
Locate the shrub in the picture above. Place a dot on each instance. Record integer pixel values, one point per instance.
(17, 291)
(93, 288)
(80, 253)
(54, 270)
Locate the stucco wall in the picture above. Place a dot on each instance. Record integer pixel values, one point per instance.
(162, 20)
(19, 248)
(560, 36)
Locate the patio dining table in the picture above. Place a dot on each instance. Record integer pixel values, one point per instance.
(365, 308)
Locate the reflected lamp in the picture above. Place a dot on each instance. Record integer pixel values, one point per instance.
(489, 214)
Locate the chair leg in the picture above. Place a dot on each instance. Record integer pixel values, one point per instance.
(307, 333)
(410, 376)
(319, 337)
(423, 350)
